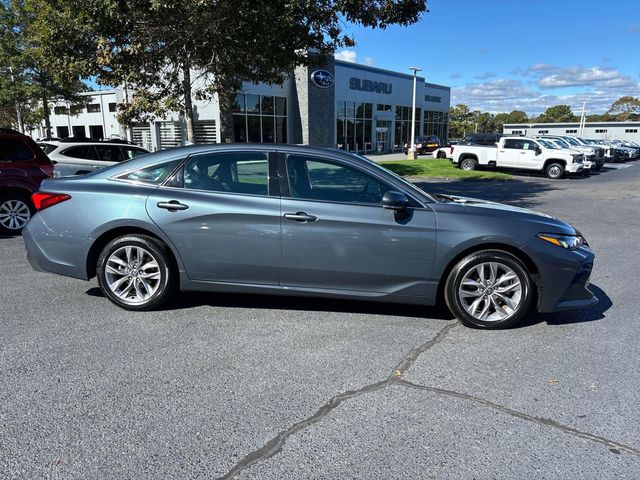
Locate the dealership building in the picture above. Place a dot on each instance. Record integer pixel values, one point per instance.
(345, 105)
(629, 131)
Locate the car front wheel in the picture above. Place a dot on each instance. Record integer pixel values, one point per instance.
(134, 272)
(555, 171)
(489, 289)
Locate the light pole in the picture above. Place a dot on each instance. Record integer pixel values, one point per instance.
(411, 151)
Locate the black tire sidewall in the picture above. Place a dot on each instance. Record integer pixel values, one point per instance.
(23, 197)
(159, 251)
(455, 278)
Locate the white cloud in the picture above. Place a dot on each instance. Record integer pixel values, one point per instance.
(578, 76)
(369, 61)
(347, 56)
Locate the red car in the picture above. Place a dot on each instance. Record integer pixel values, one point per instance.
(23, 166)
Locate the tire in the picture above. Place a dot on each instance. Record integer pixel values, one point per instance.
(15, 211)
(441, 155)
(125, 281)
(469, 164)
(554, 170)
(477, 303)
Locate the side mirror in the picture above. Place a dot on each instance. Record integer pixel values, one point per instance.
(394, 200)
(538, 150)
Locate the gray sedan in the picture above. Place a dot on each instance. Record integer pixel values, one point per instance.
(289, 220)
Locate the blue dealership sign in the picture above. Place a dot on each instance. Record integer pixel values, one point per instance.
(322, 78)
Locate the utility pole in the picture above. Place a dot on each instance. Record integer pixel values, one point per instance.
(411, 153)
(583, 118)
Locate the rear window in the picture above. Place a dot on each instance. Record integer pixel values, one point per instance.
(13, 150)
(85, 151)
(153, 175)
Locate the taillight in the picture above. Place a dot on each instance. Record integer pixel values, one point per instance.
(42, 200)
(47, 169)
(451, 152)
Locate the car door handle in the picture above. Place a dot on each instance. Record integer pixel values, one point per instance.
(300, 217)
(172, 205)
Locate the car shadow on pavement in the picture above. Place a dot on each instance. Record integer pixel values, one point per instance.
(590, 314)
(514, 192)
(186, 300)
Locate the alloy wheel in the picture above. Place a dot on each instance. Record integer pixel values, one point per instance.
(132, 273)
(490, 292)
(14, 214)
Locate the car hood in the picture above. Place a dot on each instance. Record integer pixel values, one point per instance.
(493, 209)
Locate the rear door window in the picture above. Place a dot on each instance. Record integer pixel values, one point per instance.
(12, 150)
(82, 151)
(109, 153)
(132, 152)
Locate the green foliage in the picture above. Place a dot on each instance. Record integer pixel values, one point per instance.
(557, 114)
(460, 121)
(439, 168)
(625, 108)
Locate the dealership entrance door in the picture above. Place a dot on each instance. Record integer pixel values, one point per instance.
(383, 137)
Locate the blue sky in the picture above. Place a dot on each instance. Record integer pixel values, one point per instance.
(501, 55)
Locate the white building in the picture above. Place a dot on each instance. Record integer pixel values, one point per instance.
(629, 131)
(344, 105)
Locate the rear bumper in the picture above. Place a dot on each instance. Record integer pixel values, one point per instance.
(563, 276)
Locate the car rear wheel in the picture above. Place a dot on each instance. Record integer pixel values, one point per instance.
(15, 211)
(135, 273)
(555, 171)
(469, 164)
(489, 289)
(441, 155)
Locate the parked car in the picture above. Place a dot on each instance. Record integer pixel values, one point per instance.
(76, 157)
(518, 153)
(22, 167)
(593, 153)
(445, 151)
(293, 220)
(423, 144)
(481, 139)
(558, 143)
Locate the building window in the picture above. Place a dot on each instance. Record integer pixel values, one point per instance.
(96, 132)
(543, 132)
(436, 123)
(259, 118)
(60, 110)
(62, 132)
(113, 107)
(631, 130)
(79, 131)
(571, 131)
(403, 124)
(93, 108)
(383, 107)
(601, 130)
(516, 132)
(76, 109)
(353, 126)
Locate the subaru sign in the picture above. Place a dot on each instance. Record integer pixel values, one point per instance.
(322, 78)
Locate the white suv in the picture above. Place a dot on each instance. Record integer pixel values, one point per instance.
(78, 157)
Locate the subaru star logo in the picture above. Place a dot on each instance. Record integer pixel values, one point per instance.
(322, 78)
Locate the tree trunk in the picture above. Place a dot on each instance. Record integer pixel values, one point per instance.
(225, 102)
(188, 105)
(47, 114)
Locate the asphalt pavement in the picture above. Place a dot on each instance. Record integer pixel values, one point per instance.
(252, 387)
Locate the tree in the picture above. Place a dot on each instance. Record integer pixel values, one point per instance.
(172, 52)
(31, 76)
(460, 121)
(557, 114)
(625, 108)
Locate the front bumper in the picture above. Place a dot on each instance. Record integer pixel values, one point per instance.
(574, 168)
(563, 276)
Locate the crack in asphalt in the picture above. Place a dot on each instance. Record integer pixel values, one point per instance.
(547, 422)
(275, 445)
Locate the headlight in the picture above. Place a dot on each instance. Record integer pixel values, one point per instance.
(570, 242)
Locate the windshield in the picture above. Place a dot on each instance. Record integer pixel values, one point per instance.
(549, 144)
(572, 141)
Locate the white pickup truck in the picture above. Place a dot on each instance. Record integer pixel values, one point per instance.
(518, 153)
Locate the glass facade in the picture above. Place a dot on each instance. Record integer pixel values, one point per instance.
(259, 118)
(354, 126)
(403, 125)
(436, 123)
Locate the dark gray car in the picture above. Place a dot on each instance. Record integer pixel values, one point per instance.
(290, 220)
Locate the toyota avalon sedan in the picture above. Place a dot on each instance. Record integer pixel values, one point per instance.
(291, 220)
